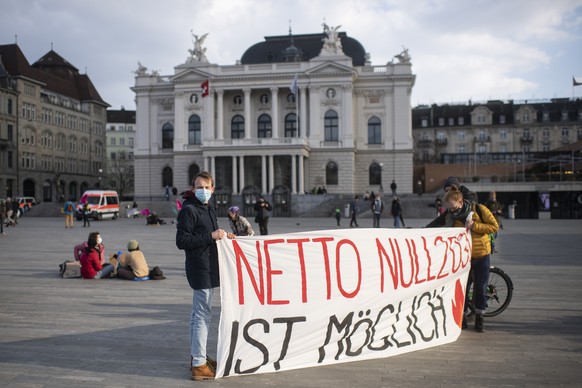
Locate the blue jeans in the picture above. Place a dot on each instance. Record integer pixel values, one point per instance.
(199, 324)
(397, 222)
(377, 220)
(480, 273)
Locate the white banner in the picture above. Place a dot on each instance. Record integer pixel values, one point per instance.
(316, 298)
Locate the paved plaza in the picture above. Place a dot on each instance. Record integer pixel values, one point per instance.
(115, 333)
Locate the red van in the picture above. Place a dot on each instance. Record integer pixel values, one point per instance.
(102, 204)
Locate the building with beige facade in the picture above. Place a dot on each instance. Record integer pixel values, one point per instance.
(296, 113)
(60, 131)
(120, 134)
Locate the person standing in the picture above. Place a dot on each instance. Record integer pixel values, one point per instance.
(196, 234)
(393, 188)
(396, 211)
(69, 210)
(15, 211)
(478, 219)
(167, 193)
(419, 188)
(240, 225)
(495, 208)
(338, 215)
(354, 212)
(86, 211)
(377, 210)
(263, 207)
(2, 216)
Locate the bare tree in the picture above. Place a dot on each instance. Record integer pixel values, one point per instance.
(120, 174)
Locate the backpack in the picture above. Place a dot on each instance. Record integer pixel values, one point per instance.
(70, 207)
(70, 269)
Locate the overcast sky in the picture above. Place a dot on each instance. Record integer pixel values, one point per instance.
(460, 49)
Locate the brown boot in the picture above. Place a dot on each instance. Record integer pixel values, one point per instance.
(211, 362)
(202, 372)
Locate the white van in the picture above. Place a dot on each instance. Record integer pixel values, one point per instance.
(102, 204)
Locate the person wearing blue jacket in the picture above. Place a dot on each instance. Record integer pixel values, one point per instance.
(197, 233)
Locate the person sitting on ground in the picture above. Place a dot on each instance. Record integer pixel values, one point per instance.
(240, 225)
(133, 264)
(91, 267)
(80, 248)
(153, 219)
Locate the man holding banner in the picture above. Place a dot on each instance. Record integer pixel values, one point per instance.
(197, 233)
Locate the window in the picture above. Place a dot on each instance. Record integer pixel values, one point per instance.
(264, 126)
(441, 121)
(526, 133)
(565, 132)
(331, 174)
(264, 99)
(122, 141)
(131, 141)
(237, 100)
(375, 174)
(290, 125)
(461, 135)
(424, 122)
(461, 148)
(112, 156)
(461, 120)
(374, 130)
(291, 98)
(167, 177)
(482, 135)
(167, 136)
(10, 163)
(564, 116)
(194, 99)
(451, 121)
(113, 141)
(10, 133)
(194, 130)
(502, 119)
(503, 134)
(330, 125)
(546, 116)
(237, 127)
(330, 93)
(546, 133)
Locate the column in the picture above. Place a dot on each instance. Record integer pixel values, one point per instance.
(206, 163)
(241, 172)
(293, 174)
(234, 176)
(212, 165)
(275, 112)
(263, 174)
(248, 125)
(180, 123)
(271, 173)
(303, 111)
(301, 175)
(209, 115)
(220, 115)
(347, 123)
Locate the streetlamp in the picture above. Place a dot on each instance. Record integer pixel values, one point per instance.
(99, 184)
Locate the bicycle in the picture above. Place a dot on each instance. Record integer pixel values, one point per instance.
(499, 293)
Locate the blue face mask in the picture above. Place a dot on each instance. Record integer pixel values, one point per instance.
(203, 195)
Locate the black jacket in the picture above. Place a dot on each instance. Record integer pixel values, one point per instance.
(196, 222)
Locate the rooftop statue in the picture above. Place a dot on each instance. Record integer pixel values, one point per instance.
(403, 57)
(141, 70)
(332, 43)
(198, 53)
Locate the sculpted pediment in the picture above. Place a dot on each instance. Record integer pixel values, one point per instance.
(330, 68)
(189, 74)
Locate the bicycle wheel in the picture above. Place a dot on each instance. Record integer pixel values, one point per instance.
(499, 292)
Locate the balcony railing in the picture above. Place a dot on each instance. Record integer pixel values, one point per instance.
(424, 143)
(482, 139)
(441, 142)
(526, 140)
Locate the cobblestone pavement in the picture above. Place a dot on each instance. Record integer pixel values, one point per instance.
(114, 333)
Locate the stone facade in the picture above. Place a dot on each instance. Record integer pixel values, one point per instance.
(309, 116)
(60, 128)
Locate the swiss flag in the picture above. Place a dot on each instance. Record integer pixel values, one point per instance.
(205, 89)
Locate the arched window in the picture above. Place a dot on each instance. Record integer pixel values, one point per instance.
(192, 171)
(167, 177)
(264, 126)
(167, 136)
(194, 133)
(330, 126)
(331, 174)
(375, 174)
(374, 130)
(291, 125)
(237, 127)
